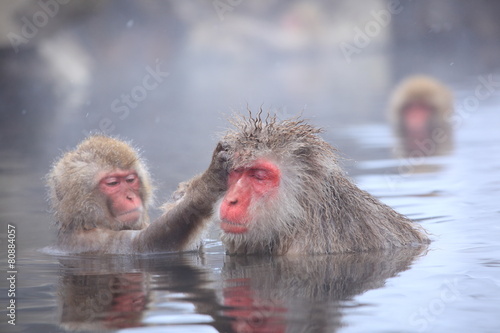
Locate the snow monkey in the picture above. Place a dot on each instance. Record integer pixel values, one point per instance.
(100, 193)
(420, 109)
(287, 194)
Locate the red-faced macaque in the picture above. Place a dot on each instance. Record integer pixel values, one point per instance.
(287, 194)
(100, 193)
(420, 109)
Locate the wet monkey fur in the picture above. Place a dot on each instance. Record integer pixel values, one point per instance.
(100, 193)
(288, 195)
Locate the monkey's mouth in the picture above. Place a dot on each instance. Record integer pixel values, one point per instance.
(130, 216)
(138, 210)
(233, 227)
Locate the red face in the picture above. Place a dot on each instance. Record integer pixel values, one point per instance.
(260, 181)
(122, 191)
(416, 117)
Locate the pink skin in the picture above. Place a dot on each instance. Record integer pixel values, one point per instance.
(245, 185)
(121, 187)
(416, 117)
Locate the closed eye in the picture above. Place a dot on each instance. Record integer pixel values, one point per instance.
(259, 174)
(130, 180)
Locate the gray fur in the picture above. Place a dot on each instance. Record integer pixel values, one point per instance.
(318, 208)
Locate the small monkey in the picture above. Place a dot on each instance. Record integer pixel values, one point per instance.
(100, 193)
(420, 109)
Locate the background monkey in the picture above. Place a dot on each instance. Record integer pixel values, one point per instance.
(288, 195)
(100, 193)
(420, 108)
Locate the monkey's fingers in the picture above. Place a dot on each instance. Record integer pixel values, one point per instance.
(221, 156)
(225, 146)
(221, 146)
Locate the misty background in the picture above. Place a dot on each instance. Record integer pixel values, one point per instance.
(165, 75)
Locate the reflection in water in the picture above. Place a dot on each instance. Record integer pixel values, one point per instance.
(304, 294)
(94, 302)
(110, 292)
(259, 294)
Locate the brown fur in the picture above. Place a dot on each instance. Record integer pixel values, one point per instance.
(318, 209)
(73, 180)
(83, 218)
(435, 95)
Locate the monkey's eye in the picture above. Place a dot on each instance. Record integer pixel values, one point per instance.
(259, 174)
(111, 182)
(131, 179)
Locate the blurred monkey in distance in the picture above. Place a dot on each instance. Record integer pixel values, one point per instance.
(420, 109)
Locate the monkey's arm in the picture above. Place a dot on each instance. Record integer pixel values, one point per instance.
(181, 226)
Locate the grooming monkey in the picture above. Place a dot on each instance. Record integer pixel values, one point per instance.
(100, 193)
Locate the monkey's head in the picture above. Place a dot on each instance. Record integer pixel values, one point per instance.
(419, 105)
(102, 183)
(277, 168)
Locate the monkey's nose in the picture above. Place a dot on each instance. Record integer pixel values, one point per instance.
(234, 193)
(231, 199)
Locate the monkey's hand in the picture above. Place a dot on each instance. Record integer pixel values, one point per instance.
(207, 187)
(216, 174)
(181, 225)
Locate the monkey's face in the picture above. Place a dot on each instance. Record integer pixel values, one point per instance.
(121, 189)
(248, 187)
(417, 117)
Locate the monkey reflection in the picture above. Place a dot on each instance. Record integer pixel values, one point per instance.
(96, 302)
(298, 294)
(258, 293)
(420, 108)
(107, 293)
